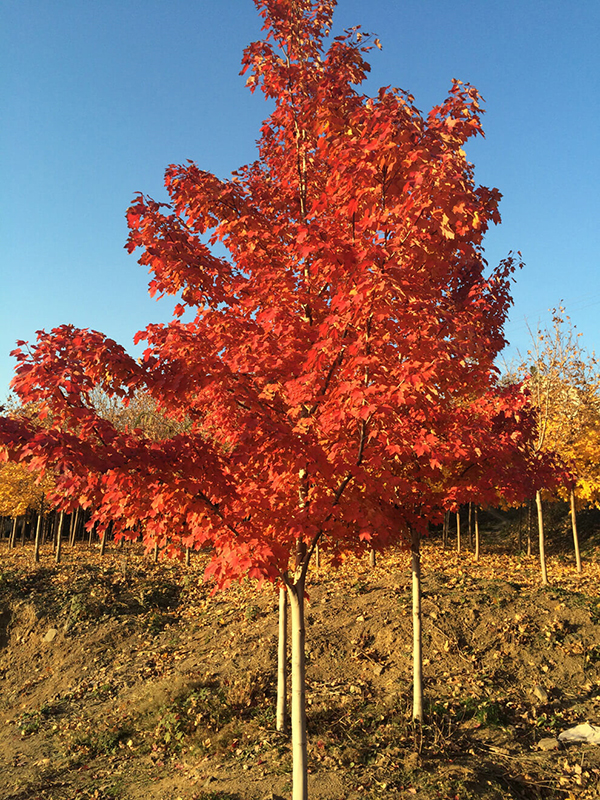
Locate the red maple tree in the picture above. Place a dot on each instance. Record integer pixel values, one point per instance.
(331, 353)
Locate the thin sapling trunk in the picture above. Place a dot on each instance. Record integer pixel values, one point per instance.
(38, 532)
(445, 529)
(471, 525)
(299, 743)
(59, 531)
(74, 525)
(417, 711)
(13, 533)
(538, 501)
(574, 527)
(282, 716)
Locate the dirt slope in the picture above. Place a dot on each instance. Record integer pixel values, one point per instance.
(124, 679)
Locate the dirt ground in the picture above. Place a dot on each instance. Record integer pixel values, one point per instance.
(125, 679)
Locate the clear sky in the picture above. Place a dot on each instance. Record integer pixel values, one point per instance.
(99, 97)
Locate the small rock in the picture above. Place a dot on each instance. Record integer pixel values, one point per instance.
(209, 782)
(548, 744)
(360, 618)
(378, 669)
(541, 694)
(49, 635)
(590, 734)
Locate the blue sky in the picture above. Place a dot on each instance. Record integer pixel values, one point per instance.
(98, 98)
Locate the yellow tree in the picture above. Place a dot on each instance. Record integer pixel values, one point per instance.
(20, 489)
(580, 431)
(564, 382)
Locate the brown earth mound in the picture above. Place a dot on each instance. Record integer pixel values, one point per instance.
(127, 680)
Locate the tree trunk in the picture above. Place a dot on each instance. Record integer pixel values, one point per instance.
(13, 533)
(445, 529)
(187, 556)
(57, 552)
(458, 531)
(417, 711)
(529, 525)
(45, 526)
(538, 501)
(282, 716)
(155, 554)
(476, 520)
(24, 529)
(372, 557)
(55, 522)
(574, 527)
(103, 542)
(38, 531)
(299, 745)
(74, 524)
(470, 525)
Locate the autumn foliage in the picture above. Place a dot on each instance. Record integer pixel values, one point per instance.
(20, 490)
(333, 374)
(564, 384)
(325, 371)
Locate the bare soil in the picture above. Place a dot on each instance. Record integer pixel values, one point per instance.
(125, 679)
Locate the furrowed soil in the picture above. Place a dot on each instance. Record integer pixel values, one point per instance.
(125, 679)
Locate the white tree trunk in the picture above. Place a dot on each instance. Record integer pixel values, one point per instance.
(575, 534)
(476, 517)
(470, 524)
(282, 721)
(299, 744)
(59, 537)
(417, 711)
(13, 532)
(36, 546)
(538, 501)
(458, 532)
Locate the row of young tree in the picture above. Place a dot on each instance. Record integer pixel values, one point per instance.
(329, 384)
